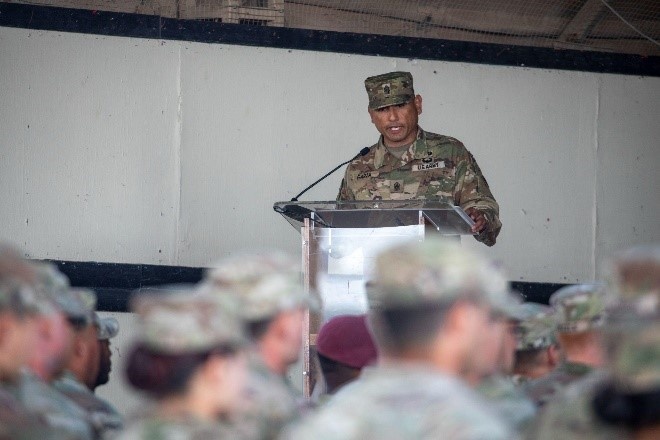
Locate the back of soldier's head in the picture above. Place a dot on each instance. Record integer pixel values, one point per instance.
(263, 286)
(632, 340)
(416, 284)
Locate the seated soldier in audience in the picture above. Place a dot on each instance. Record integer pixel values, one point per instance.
(537, 351)
(620, 401)
(271, 300)
(18, 334)
(108, 328)
(344, 347)
(52, 352)
(82, 370)
(510, 402)
(189, 360)
(429, 309)
(580, 313)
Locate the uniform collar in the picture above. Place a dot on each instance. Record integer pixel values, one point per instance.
(415, 151)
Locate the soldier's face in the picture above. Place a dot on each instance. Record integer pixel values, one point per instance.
(398, 123)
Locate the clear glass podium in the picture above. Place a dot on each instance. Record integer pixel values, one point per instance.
(340, 241)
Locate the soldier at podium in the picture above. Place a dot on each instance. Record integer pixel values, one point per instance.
(410, 163)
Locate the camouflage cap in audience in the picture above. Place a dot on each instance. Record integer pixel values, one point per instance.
(434, 271)
(389, 89)
(508, 305)
(633, 333)
(263, 284)
(579, 308)
(108, 326)
(186, 322)
(80, 304)
(18, 297)
(537, 326)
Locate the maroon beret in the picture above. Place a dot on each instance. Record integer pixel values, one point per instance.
(346, 339)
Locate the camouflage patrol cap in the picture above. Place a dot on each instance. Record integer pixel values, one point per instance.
(80, 305)
(634, 356)
(537, 326)
(433, 271)
(389, 89)
(108, 327)
(18, 298)
(508, 305)
(632, 337)
(262, 284)
(579, 308)
(177, 322)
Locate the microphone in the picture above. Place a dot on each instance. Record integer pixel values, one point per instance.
(363, 152)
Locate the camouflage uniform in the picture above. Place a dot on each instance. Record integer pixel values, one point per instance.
(435, 167)
(58, 410)
(262, 286)
(534, 331)
(202, 323)
(509, 401)
(405, 399)
(578, 308)
(632, 336)
(270, 403)
(151, 427)
(105, 419)
(403, 402)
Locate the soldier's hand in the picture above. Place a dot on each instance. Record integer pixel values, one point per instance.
(479, 219)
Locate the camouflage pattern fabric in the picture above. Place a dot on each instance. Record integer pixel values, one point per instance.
(509, 401)
(402, 402)
(263, 285)
(570, 415)
(202, 322)
(270, 403)
(389, 89)
(579, 308)
(435, 167)
(543, 389)
(59, 411)
(16, 423)
(148, 426)
(537, 327)
(434, 271)
(105, 419)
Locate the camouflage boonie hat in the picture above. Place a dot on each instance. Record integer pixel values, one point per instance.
(579, 308)
(537, 326)
(179, 322)
(263, 285)
(108, 327)
(433, 271)
(389, 89)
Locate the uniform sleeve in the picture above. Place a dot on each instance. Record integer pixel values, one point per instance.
(472, 191)
(345, 192)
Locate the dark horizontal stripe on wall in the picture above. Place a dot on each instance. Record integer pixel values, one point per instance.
(148, 26)
(115, 282)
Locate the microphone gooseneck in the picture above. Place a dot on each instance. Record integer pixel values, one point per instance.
(363, 152)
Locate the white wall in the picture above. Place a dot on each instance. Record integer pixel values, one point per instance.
(161, 152)
(164, 152)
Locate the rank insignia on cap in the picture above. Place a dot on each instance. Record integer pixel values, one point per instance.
(387, 89)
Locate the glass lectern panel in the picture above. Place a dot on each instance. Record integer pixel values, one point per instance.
(444, 216)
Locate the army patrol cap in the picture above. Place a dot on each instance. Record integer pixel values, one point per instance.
(262, 284)
(536, 328)
(178, 322)
(579, 308)
(80, 305)
(389, 89)
(632, 336)
(108, 327)
(434, 271)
